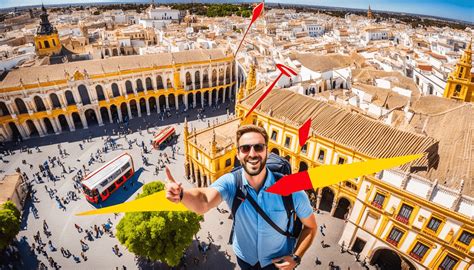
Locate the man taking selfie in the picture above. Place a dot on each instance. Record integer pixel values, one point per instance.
(264, 231)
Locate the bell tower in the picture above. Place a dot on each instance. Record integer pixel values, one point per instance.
(46, 39)
(460, 85)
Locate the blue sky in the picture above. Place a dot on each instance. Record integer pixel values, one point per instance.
(457, 9)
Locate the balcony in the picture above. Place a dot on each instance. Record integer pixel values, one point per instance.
(393, 242)
(461, 247)
(402, 219)
(416, 256)
(377, 204)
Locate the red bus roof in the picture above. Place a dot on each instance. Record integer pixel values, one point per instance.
(96, 177)
(163, 135)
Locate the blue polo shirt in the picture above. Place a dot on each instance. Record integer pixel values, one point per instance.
(254, 239)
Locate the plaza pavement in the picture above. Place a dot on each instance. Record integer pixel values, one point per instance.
(100, 255)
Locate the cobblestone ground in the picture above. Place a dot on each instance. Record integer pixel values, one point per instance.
(100, 255)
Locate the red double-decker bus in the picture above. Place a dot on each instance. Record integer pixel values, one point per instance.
(163, 137)
(102, 182)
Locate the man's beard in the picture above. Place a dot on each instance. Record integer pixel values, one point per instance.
(250, 169)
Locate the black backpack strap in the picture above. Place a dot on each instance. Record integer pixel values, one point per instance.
(239, 198)
(289, 207)
(267, 218)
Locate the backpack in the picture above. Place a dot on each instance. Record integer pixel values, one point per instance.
(279, 167)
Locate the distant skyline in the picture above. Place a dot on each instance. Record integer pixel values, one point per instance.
(453, 9)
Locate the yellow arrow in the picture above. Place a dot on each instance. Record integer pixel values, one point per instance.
(327, 175)
(154, 202)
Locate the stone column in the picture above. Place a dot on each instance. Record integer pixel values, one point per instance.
(176, 102)
(55, 125)
(110, 116)
(39, 126)
(194, 100)
(99, 117)
(70, 122)
(167, 102)
(129, 111)
(147, 107)
(58, 124)
(23, 130)
(83, 120)
(318, 198)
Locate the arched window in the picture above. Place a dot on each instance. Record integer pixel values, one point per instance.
(100, 92)
(115, 90)
(39, 104)
(70, 98)
(46, 44)
(129, 87)
(55, 100)
(21, 106)
(84, 94)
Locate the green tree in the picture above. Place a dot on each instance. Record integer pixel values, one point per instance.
(9, 223)
(162, 236)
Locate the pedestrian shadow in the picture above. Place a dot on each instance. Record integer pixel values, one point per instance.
(123, 193)
(27, 209)
(26, 260)
(216, 260)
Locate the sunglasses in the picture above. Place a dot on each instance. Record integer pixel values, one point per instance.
(258, 147)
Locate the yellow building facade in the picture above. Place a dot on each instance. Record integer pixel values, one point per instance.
(46, 40)
(460, 84)
(71, 96)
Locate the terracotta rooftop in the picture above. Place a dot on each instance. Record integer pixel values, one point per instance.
(322, 63)
(225, 136)
(451, 124)
(7, 186)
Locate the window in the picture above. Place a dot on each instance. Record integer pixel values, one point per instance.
(394, 236)
(404, 214)
(321, 155)
(274, 135)
(287, 142)
(433, 225)
(457, 91)
(419, 251)
(228, 162)
(378, 200)
(465, 238)
(304, 149)
(448, 263)
(341, 160)
(461, 72)
(111, 188)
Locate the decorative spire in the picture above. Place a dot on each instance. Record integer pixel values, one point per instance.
(214, 142)
(369, 13)
(251, 78)
(45, 27)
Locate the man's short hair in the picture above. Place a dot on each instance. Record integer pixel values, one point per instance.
(251, 128)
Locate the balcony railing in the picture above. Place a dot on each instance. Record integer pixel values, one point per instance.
(402, 219)
(377, 204)
(416, 256)
(393, 242)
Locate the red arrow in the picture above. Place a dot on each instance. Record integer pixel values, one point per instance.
(257, 11)
(291, 183)
(303, 132)
(284, 71)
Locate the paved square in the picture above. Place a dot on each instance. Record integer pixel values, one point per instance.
(61, 223)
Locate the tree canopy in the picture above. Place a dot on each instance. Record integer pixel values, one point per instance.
(162, 236)
(9, 223)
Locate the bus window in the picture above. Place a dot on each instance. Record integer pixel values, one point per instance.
(111, 188)
(119, 181)
(104, 193)
(128, 174)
